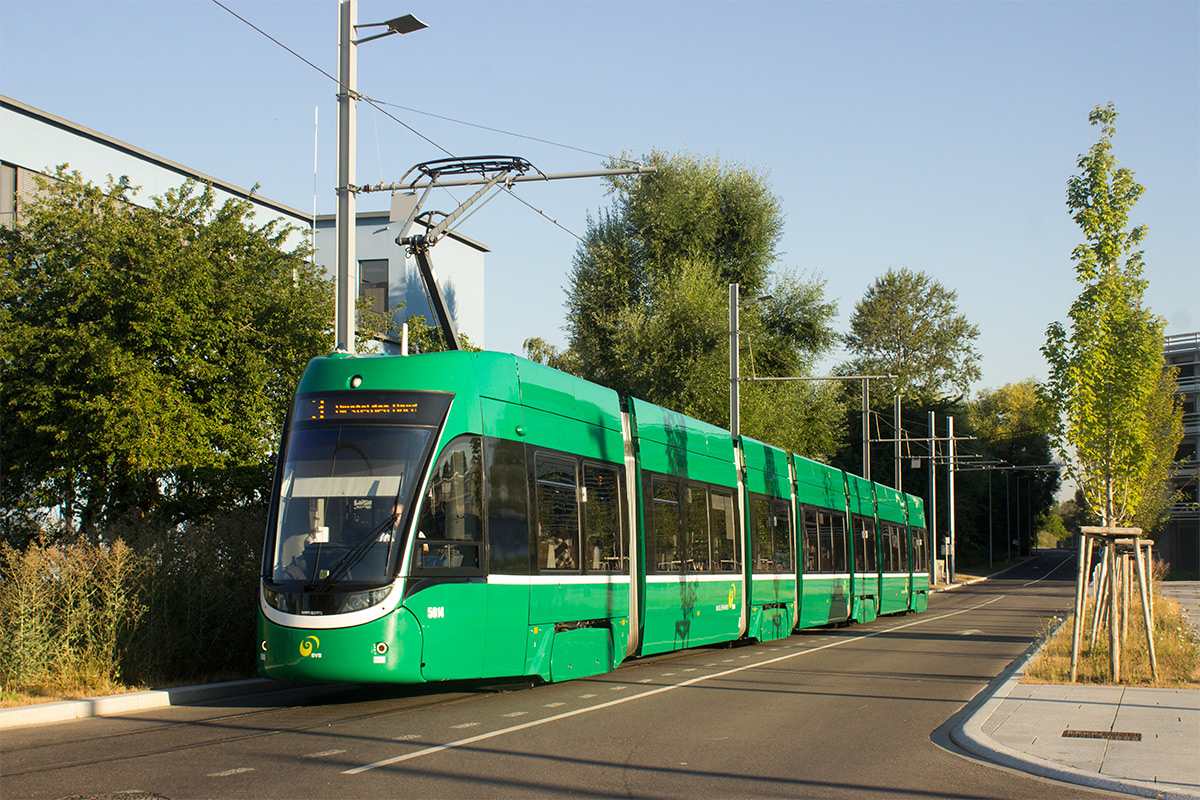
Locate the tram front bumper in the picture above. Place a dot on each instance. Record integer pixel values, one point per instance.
(385, 651)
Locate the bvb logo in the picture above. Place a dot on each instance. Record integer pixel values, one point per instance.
(732, 594)
(306, 646)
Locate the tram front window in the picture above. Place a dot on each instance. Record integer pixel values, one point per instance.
(344, 496)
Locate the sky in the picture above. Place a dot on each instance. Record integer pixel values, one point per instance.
(928, 135)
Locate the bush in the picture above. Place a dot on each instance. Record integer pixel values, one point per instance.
(154, 603)
(63, 610)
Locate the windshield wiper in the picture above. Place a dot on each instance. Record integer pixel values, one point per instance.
(354, 554)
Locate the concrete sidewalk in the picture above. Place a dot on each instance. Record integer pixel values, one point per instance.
(1143, 742)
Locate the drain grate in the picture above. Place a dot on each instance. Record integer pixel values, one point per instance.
(1114, 736)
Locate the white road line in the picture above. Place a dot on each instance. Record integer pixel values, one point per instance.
(464, 725)
(586, 696)
(516, 713)
(1048, 574)
(651, 692)
(553, 705)
(404, 737)
(323, 753)
(228, 772)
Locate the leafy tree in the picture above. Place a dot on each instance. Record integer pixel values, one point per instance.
(648, 302)
(147, 355)
(539, 350)
(1114, 424)
(908, 325)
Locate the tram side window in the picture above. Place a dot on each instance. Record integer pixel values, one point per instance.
(726, 551)
(450, 530)
(770, 522)
(887, 552)
(902, 549)
(864, 544)
(604, 546)
(696, 528)
(507, 506)
(665, 519)
(557, 513)
(781, 534)
(833, 542)
(810, 541)
(920, 562)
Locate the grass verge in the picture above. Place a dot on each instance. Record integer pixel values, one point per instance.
(1176, 649)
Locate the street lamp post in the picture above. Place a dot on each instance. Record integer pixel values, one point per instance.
(347, 261)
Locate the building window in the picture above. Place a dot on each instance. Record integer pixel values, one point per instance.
(373, 283)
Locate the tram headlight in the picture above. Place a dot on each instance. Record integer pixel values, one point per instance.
(360, 600)
(275, 599)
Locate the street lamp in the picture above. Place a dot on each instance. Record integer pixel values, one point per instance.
(347, 261)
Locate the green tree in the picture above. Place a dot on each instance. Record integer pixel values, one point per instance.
(1113, 422)
(648, 302)
(147, 355)
(908, 325)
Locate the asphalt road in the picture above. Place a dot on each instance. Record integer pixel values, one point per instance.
(860, 711)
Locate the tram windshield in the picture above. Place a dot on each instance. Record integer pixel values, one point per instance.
(344, 496)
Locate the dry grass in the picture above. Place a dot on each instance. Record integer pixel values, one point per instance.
(1176, 649)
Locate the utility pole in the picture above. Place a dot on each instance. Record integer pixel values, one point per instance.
(734, 398)
(937, 545)
(347, 258)
(899, 481)
(950, 565)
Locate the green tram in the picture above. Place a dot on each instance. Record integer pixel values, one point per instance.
(466, 515)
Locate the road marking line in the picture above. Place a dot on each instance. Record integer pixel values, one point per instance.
(651, 692)
(586, 696)
(323, 753)
(1048, 574)
(516, 713)
(404, 737)
(465, 725)
(553, 705)
(228, 772)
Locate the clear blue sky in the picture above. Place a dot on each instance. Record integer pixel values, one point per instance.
(935, 136)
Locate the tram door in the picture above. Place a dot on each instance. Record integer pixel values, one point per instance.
(450, 597)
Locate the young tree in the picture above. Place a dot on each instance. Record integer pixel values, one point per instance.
(908, 325)
(648, 302)
(147, 355)
(1113, 423)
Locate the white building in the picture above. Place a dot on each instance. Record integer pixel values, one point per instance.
(34, 142)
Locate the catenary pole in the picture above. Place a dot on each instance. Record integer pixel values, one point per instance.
(347, 261)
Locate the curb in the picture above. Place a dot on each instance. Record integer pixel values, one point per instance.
(969, 736)
(63, 710)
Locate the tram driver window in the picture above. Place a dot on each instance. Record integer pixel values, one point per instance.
(450, 531)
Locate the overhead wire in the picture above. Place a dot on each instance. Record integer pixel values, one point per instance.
(378, 106)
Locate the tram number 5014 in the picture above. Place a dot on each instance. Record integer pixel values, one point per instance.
(435, 612)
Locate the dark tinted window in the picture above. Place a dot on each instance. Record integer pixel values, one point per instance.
(450, 528)
(603, 540)
(557, 513)
(507, 506)
(665, 519)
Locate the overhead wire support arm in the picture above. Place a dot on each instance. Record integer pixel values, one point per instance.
(491, 171)
(554, 176)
